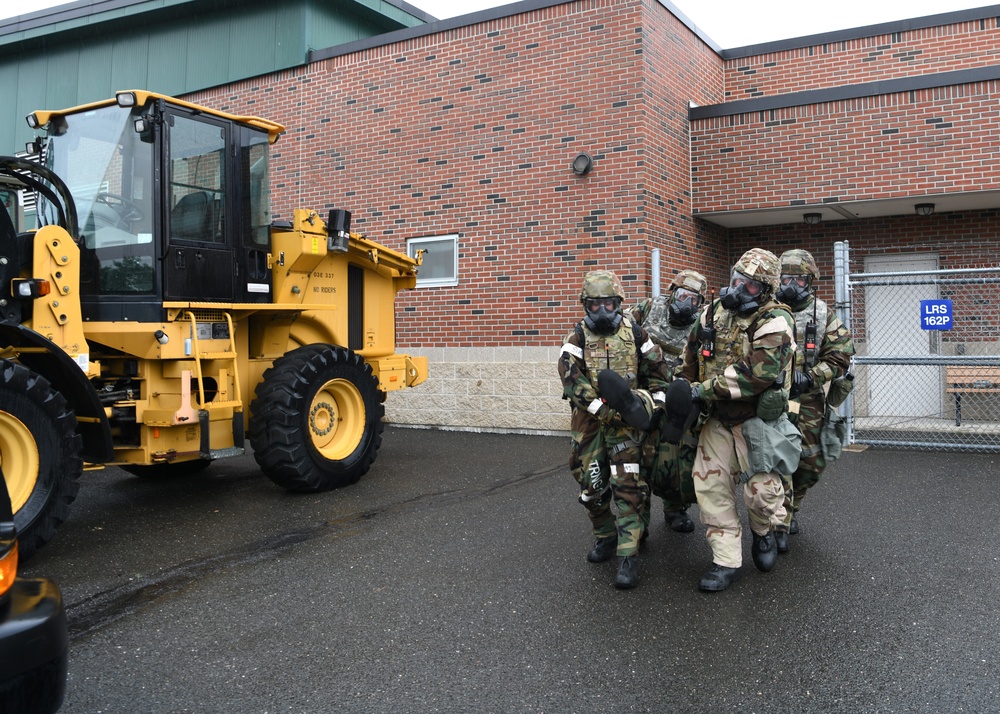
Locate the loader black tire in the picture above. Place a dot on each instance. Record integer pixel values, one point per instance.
(39, 454)
(316, 421)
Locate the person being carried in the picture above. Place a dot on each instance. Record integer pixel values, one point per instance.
(668, 319)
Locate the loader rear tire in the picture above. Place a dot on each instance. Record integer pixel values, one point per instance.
(39, 454)
(316, 420)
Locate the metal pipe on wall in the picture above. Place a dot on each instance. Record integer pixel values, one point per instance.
(655, 267)
(842, 298)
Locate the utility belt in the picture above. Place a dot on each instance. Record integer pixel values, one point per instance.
(731, 413)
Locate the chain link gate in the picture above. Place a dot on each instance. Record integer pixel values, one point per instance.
(927, 368)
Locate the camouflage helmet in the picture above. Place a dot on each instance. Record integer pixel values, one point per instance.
(690, 279)
(761, 265)
(799, 262)
(601, 284)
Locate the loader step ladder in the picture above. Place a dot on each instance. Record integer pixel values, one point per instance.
(216, 405)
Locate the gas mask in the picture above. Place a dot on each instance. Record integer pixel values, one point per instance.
(603, 314)
(794, 289)
(683, 307)
(744, 295)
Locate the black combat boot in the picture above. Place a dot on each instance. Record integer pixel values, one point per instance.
(793, 527)
(616, 392)
(603, 549)
(628, 572)
(781, 541)
(678, 521)
(764, 551)
(719, 577)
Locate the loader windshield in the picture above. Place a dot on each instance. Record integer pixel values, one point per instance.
(107, 166)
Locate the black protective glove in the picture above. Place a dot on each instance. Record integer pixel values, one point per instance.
(802, 382)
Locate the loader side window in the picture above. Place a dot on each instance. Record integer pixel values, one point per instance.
(257, 206)
(197, 181)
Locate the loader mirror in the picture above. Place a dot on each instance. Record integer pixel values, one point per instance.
(143, 126)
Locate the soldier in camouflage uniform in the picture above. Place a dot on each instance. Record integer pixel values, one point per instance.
(668, 319)
(606, 451)
(823, 354)
(743, 347)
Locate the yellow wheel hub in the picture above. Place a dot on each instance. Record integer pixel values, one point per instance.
(19, 459)
(337, 419)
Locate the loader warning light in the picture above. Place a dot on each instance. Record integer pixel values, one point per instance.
(31, 288)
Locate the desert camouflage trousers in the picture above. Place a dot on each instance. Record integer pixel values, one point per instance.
(668, 470)
(809, 422)
(605, 463)
(722, 457)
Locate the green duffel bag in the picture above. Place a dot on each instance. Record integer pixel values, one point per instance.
(774, 446)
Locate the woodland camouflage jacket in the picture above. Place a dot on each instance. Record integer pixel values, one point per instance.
(579, 379)
(750, 354)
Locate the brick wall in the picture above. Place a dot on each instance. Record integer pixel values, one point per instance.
(908, 53)
(908, 144)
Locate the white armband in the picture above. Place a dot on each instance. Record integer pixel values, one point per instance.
(660, 397)
(647, 346)
(573, 350)
(595, 406)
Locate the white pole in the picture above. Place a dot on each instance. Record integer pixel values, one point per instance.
(655, 267)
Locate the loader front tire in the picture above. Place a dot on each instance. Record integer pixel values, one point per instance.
(316, 420)
(39, 454)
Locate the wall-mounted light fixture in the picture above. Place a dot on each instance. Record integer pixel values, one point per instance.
(812, 218)
(924, 209)
(582, 164)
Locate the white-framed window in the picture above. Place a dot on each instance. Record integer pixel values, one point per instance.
(440, 266)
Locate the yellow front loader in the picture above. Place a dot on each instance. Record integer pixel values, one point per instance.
(159, 319)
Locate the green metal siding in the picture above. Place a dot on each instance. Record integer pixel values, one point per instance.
(130, 62)
(162, 76)
(170, 46)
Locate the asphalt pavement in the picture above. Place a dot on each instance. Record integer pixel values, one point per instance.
(452, 578)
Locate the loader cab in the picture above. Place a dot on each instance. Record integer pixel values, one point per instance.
(173, 203)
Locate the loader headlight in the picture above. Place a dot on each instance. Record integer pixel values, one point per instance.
(126, 99)
(32, 121)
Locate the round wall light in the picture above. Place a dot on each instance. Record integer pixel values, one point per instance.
(582, 164)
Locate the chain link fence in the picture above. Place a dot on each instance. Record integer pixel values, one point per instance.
(927, 368)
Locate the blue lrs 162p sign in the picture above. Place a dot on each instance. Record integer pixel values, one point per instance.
(935, 315)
